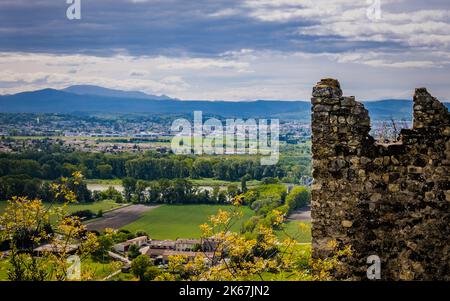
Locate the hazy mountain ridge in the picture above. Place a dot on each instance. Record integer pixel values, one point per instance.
(97, 99)
(100, 91)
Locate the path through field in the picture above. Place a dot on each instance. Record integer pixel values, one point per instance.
(303, 214)
(116, 219)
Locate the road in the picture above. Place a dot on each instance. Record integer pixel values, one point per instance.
(303, 214)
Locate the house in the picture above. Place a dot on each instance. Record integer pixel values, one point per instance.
(124, 246)
(161, 250)
(161, 256)
(162, 244)
(188, 244)
(204, 244)
(187, 254)
(210, 244)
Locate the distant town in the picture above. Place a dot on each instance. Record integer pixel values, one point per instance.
(106, 135)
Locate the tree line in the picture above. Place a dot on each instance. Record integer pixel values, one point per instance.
(33, 188)
(177, 191)
(149, 166)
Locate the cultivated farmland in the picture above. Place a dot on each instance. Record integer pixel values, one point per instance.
(174, 221)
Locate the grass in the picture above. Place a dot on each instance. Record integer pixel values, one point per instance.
(3, 270)
(104, 181)
(196, 182)
(94, 207)
(215, 182)
(292, 229)
(303, 251)
(123, 277)
(174, 221)
(99, 270)
(95, 269)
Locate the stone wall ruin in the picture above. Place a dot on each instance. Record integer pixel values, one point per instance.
(390, 200)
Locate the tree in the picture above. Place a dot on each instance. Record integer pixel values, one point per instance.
(129, 186)
(109, 194)
(221, 198)
(104, 171)
(140, 233)
(105, 243)
(133, 251)
(244, 183)
(298, 197)
(140, 265)
(232, 191)
(25, 223)
(151, 273)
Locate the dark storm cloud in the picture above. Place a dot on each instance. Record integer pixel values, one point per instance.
(169, 27)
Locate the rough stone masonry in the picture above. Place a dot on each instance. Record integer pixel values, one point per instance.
(390, 200)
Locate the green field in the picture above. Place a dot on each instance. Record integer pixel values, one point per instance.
(215, 182)
(93, 269)
(94, 207)
(292, 229)
(104, 181)
(98, 270)
(174, 221)
(196, 182)
(3, 270)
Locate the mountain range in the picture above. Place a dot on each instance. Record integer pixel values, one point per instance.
(93, 99)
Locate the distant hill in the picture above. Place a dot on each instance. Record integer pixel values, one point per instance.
(76, 100)
(388, 108)
(100, 91)
(93, 99)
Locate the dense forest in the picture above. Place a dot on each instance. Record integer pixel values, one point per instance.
(149, 166)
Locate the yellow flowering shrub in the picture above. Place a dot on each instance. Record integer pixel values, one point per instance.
(28, 224)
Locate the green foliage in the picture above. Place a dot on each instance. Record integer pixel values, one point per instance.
(300, 231)
(133, 251)
(20, 185)
(149, 166)
(232, 191)
(26, 224)
(142, 267)
(264, 199)
(109, 194)
(298, 197)
(105, 244)
(178, 191)
(104, 171)
(24, 185)
(129, 186)
(140, 233)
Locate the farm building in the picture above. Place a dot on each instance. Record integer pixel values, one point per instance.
(124, 246)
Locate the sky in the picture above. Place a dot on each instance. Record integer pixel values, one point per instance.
(228, 49)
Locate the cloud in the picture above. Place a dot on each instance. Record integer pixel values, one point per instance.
(240, 75)
(138, 73)
(227, 12)
(414, 26)
(246, 49)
